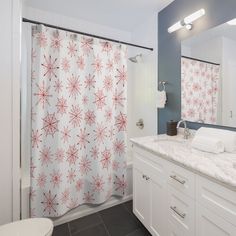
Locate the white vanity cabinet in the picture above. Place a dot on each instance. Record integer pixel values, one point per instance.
(173, 201)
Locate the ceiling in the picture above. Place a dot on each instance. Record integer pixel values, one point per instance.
(120, 14)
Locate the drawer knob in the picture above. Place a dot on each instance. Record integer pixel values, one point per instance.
(175, 209)
(146, 177)
(174, 177)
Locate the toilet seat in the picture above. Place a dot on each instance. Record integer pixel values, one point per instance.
(28, 227)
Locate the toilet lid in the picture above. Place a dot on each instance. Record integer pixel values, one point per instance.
(28, 227)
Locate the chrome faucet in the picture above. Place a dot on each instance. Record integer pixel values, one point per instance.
(186, 130)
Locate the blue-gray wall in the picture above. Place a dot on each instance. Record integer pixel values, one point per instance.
(169, 47)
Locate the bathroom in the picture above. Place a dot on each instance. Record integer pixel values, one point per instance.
(138, 146)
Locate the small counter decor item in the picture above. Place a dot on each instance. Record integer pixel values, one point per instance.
(171, 129)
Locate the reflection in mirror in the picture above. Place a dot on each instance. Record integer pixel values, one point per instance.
(208, 76)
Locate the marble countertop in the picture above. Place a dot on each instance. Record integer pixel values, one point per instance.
(220, 167)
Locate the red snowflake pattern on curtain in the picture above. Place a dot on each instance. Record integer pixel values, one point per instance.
(79, 126)
(199, 91)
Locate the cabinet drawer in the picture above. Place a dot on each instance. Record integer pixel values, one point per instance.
(181, 179)
(150, 157)
(220, 200)
(208, 223)
(181, 211)
(175, 230)
(150, 169)
(140, 164)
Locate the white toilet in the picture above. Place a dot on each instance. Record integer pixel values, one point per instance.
(28, 227)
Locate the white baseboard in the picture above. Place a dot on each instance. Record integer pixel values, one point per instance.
(87, 210)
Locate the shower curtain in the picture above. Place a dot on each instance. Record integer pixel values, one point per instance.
(78, 121)
(199, 91)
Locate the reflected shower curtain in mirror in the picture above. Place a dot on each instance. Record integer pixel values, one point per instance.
(199, 91)
(78, 121)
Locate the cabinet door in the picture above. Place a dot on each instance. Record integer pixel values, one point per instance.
(140, 196)
(208, 223)
(150, 193)
(157, 206)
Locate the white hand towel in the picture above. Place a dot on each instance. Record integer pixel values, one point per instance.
(208, 144)
(227, 137)
(161, 99)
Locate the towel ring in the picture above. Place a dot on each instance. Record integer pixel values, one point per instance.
(163, 83)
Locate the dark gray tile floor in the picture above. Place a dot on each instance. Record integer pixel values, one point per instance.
(115, 221)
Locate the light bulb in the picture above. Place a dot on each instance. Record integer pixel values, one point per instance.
(232, 22)
(187, 22)
(175, 27)
(189, 19)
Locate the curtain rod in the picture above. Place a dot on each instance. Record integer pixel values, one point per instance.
(86, 34)
(195, 59)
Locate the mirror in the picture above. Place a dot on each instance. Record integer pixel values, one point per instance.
(208, 76)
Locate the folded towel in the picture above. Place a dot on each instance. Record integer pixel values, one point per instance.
(161, 99)
(227, 137)
(208, 144)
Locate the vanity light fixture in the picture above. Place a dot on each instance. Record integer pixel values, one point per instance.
(232, 22)
(187, 21)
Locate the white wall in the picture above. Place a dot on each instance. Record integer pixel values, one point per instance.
(228, 82)
(144, 78)
(9, 106)
(75, 24)
(210, 50)
(185, 50)
(6, 112)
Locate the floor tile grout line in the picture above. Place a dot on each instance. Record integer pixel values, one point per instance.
(126, 208)
(108, 233)
(104, 225)
(130, 212)
(68, 225)
(131, 232)
(88, 227)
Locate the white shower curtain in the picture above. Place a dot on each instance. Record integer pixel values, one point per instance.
(200, 87)
(78, 121)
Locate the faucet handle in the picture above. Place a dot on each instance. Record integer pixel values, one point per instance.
(187, 133)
